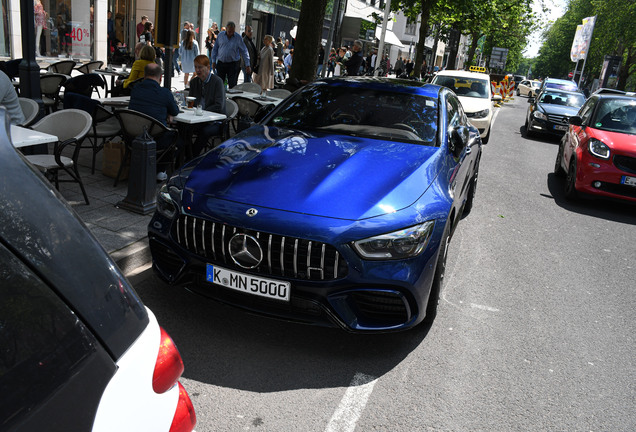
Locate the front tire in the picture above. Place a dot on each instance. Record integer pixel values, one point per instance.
(570, 181)
(471, 194)
(485, 139)
(438, 278)
(528, 133)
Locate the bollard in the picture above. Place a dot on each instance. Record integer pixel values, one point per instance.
(142, 189)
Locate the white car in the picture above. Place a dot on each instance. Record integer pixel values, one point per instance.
(473, 90)
(528, 88)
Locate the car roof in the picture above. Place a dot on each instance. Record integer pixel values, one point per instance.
(387, 84)
(465, 74)
(560, 81)
(626, 96)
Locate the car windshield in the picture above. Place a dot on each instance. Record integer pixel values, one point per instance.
(536, 84)
(562, 86)
(559, 98)
(616, 115)
(464, 86)
(364, 112)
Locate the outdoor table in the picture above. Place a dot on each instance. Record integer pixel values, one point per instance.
(113, 73)
(117, 101)
(185, 121)
(263, 100)
(23, 137)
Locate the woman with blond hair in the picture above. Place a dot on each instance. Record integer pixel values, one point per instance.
(188, 51)
(265, 75)
(146, 55)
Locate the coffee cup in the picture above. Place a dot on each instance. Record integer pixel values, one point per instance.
(190, 101)
(199, 110)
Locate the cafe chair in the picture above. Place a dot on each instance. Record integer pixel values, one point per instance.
(50, 85)
(84, 84)
(30, 109)
(231, 110)
(62, 67)
(249, 87)
(133, 124)
(70, 126)
(247, 110)
(105, 124)
(90, 67)
(279, 93)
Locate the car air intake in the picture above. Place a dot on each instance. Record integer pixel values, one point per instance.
(282, 256)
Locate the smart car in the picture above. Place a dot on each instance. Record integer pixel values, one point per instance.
(473, 90)
(550, 110)
(598, 153)
(336, 208)
(79, 350)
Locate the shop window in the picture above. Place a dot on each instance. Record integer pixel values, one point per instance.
(64, 28)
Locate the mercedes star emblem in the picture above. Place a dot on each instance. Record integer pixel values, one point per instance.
(245, 251)
(251, 212)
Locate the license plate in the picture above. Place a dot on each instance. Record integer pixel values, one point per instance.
(560, 127)
(270, 288)
(629, 181)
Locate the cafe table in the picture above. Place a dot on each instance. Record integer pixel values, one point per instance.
(117, 101)
(23, 137)
(113, 73)
(187, 119)
(263, 100)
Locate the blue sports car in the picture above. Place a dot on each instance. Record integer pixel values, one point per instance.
(336, 208)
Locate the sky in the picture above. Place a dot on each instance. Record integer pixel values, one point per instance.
(557, 9)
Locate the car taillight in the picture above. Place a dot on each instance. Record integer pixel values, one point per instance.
(169, 366)
(184, 417)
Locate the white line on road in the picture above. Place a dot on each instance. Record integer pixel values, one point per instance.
(352, 404)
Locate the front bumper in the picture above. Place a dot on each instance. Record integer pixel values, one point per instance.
(547, 127)
(371, 296)
(604, 177)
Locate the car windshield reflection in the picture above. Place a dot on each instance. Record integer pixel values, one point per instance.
(464, 86)
(616, 115)
(564, 99)
(362, 112)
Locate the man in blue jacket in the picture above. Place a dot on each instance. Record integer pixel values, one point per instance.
(226, 55)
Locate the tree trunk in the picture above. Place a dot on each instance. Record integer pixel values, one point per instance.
(474, 36)
(623, 73)
(308, 37)
(455, 35)
(419, 50)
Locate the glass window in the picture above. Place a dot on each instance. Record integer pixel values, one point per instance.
(587, 110)
(464, 86)
(616, 115)
(4, 32)
(356, 111)
(64, 28)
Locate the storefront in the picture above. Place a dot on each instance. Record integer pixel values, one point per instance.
(64, 28)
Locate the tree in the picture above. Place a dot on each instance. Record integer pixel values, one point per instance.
(312, 14)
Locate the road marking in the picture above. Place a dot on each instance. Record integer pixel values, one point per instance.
(352, 404)
(484, 307)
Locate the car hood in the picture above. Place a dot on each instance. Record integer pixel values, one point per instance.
(334, 176)
(472, 104)
(621, 142)
(559, 109)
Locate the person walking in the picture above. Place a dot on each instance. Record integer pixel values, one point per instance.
(331, 63)
(354, 62)
(226, 55)
(188, 50)
(251, 49)
(265, 75)
(321, 60)
(209, 41)
(140, 26)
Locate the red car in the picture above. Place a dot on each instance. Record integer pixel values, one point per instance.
(598, 153)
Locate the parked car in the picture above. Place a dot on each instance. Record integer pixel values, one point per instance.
(473, 90)
(518, 78)
(598, 153)
(550, 111)
(559, 84)
(336, 209)
(80, 351)
(528, 88)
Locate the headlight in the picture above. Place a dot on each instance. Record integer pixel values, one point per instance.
(480, 114)
(539, 115)
(599, 148)
(401, 244)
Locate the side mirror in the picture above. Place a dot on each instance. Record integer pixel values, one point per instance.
(263, 111)
(458, 139)
(576, 121)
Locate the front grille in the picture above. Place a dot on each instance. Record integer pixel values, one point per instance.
(625, 163)
(619, 189)
(558, 119)
(288, 257)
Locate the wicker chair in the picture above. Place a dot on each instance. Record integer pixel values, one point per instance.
(62, 67)
(50, 85)
(279, 93)
(249, 87)
(30, 109)
(70, 126)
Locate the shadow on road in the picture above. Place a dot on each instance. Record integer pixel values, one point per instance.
(601, 208)
(548, 138)
(228, 347)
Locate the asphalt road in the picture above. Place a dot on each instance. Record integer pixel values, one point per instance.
(536, 331)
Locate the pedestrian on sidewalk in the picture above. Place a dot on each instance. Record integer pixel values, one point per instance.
(140, 26)
(226, 55)
(188, 50)
(265, 75)
(251, 49)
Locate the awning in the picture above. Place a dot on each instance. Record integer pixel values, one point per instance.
(389, 37)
